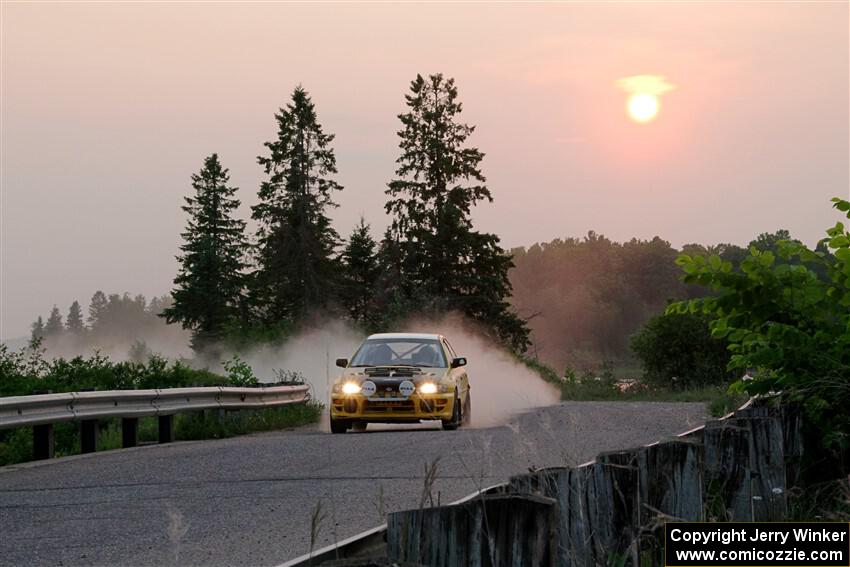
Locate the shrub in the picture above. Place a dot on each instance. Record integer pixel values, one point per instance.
(239, 372)
(677, 351)
(26, 371)
(788, 315)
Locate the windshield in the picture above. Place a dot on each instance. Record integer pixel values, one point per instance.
(424, 353)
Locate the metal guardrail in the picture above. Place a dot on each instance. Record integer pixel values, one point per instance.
(22, 411)
(41, 411)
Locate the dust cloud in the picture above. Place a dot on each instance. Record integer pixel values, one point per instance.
(501, 386)
(312, 353)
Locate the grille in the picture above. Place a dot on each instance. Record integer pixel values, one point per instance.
(382, 372)
(388, 406)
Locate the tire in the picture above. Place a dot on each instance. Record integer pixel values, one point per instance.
(454, 422)
(467, 410)
(359, 426)
(339, 426)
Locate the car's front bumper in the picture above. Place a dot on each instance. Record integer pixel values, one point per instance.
(356, 407)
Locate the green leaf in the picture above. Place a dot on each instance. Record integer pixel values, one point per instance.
(715, 262)
(840, 241)
(841, 204)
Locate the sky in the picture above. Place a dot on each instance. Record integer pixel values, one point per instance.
(106, 109)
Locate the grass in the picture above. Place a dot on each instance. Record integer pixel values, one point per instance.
(604, 387)
(16, 444)
(719, 401)
(826, 501)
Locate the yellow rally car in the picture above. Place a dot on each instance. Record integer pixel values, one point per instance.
(401, 378)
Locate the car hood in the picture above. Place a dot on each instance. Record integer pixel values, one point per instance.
(391, 374)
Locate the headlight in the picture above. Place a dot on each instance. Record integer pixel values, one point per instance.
(350, 388)
(428, 388)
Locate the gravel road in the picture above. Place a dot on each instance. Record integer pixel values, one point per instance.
(249, 500)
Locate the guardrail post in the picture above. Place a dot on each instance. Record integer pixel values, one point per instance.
(88, 435)
(129, 431)
(42, 441)
(166, 428)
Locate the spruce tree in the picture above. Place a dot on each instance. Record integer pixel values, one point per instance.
(295, 240)
(395, 295)
(37, 331)
(438, 181)
(209, 286)
(360, 274)
(97, 309)
(74, 321)
(53, 327)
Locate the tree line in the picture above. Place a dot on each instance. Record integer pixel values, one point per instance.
(115, 315)
(430, 260)
(590, 300)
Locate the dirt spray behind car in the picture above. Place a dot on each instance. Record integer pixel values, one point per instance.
(501, 386)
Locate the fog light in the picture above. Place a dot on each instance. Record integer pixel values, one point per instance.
(428, 388)
(350, 388)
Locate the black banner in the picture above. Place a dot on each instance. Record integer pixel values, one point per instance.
(757, 544)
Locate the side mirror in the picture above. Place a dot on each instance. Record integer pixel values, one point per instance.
(458, 362)
(342, 362)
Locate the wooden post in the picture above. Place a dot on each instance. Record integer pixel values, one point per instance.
(767, 460)
(791, 416)
(573, 498)
(42, 441)
(671, 481)
(615, 508)
(129, 431)
(166, 428)
(670, 478)
(552, 483)
(88, 435)
(492, 530)
(727, 471)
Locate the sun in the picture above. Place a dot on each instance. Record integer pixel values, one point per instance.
(643, 107)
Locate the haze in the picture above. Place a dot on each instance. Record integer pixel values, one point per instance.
(108, 108)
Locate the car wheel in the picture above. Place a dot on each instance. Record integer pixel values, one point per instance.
(454, 422)
(339, 426)
(359, 426)
(467, 410)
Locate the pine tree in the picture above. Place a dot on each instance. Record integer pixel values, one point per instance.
(53, 327)
(209, 287)
(74, 321)
(360, 274)
(395, 295)
(295, 240)
(37, 331)
(438, 181)
(97, 308)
